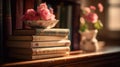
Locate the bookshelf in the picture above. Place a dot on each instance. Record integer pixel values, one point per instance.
(68, 12)
(95, 59)
(11, 11)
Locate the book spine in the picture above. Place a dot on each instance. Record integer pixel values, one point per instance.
(63, 16)
(48, 32)
(75, 34)
(19, 14)
(53, 32)
(49, 38)
(8, 17)
(52, 50)
(28, 44)
(28, 4)
(1, 31)
(40, 51)
(37, 38)
(23, 32)
(51, 43)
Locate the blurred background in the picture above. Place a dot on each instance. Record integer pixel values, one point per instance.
(68, 12)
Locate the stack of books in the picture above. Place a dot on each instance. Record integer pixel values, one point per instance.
(39, 43)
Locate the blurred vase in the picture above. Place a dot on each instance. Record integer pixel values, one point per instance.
(88, 42)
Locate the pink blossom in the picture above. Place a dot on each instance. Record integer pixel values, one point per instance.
(41, 7)
(87, 10)
(51, 10)
(42, 13)
(45, 14)
(52, 17)
(100, 6)
(91, 17)
(30, 15)
(31, 12)
(82, 20)
(92, 7)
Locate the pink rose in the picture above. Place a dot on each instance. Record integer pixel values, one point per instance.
(31, 15)
(91, 17)
(31, 12)
(52, 17)
(51, 10)
(86, 10)
(41, 7)
(45, 14)
(100, 6)
(92, 7)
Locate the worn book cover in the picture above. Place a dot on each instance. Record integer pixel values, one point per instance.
(39, 51)
(31, 44)
(43, 32)
(37, 38)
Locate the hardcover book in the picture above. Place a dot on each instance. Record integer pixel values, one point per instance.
(39, 51)
(37, 38)
(44, 32)
(31, 44)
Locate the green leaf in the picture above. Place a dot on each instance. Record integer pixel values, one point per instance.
(83, 27)
(98, 25)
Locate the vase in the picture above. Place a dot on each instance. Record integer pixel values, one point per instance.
(89, 42)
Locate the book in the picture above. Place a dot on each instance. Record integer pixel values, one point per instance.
(30, 57)
(28, 4)
(7, 17)
(19, 14)
(1, 31)
(37, 38)
(31, 44)
(50, 32)
(39, 51)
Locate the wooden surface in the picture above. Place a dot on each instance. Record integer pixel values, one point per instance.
(109, 56)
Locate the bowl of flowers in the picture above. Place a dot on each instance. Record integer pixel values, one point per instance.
(42, 18)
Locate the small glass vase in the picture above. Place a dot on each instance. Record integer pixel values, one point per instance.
(89, 42)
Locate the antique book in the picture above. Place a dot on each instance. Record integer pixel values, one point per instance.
(30, 57)
(37, 38)
(39, 51)
(48, 32)
(31, 44)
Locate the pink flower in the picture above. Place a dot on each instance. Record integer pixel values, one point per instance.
(100, 6)
(31, 12)
(51, 10)
(92, 7)
(82, 20)
(41, 7)
(91, 17)
(52, 17)
(30, 15)
(86, 10)
(45, 14)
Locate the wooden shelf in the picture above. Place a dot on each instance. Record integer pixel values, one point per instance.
(76, 59)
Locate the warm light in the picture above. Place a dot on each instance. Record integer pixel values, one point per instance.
(114, 18)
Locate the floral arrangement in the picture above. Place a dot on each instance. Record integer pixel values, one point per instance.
(90, 19)
(42, 13)
(42, 18)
